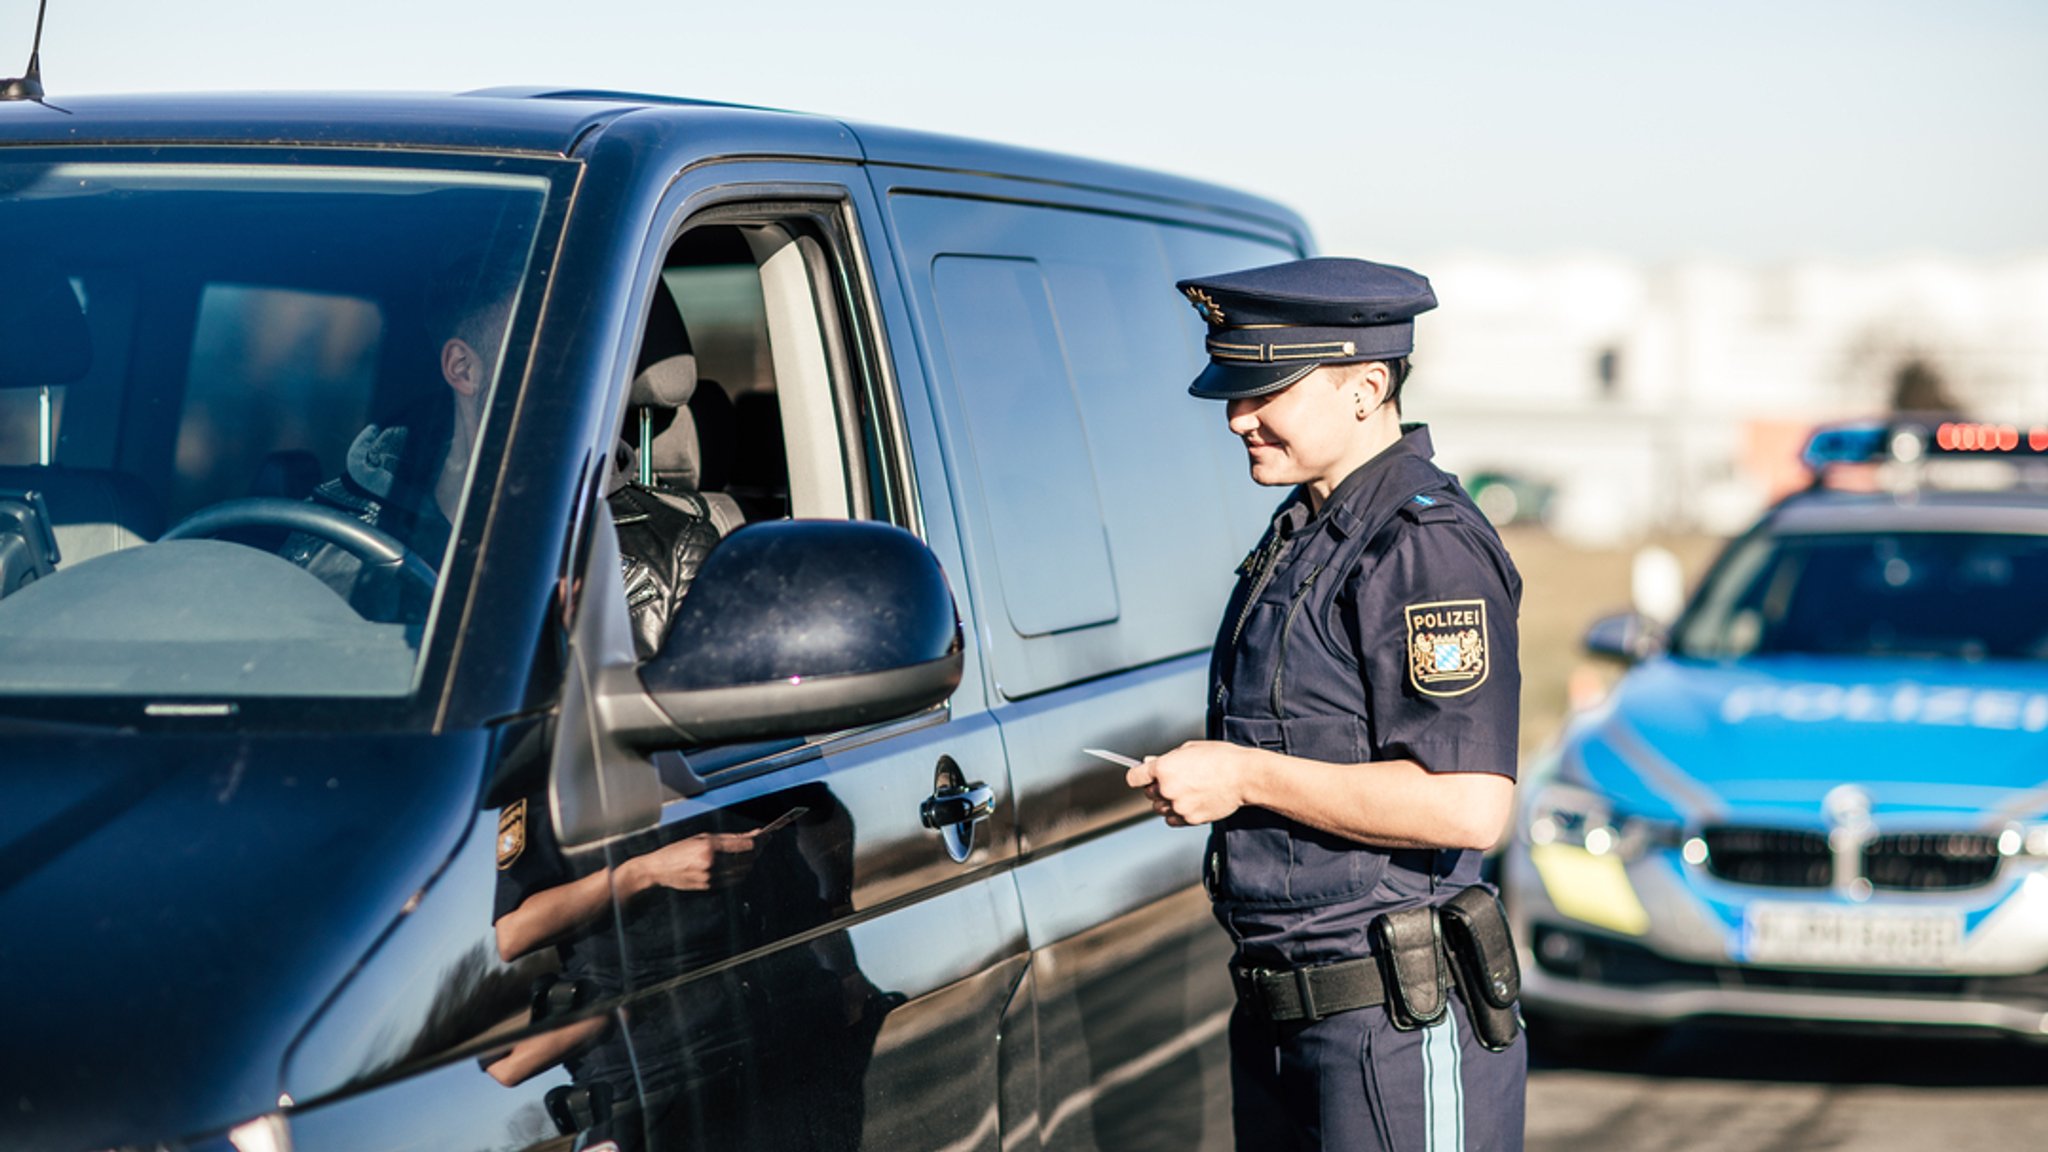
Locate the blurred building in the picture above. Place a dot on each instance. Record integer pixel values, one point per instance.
(1675, 398)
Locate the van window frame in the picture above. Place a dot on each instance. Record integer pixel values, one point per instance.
(831, 248)
(872, 433)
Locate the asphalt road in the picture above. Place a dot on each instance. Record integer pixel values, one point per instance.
(1735, 1089)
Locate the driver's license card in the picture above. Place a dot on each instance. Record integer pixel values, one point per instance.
(782, 821)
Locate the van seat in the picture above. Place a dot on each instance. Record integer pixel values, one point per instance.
(679, 461)
(93, 510)
(760, 470)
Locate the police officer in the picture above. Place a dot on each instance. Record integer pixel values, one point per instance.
(1361, 737)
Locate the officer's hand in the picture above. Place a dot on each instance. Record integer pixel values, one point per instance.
(1196, 783)
(700, 863)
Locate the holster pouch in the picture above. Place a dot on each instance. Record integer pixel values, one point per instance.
(1408, 947)
(1475, 930)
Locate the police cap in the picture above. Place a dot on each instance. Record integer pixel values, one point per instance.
(1269, 327)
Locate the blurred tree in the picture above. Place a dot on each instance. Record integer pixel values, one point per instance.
(1919, 387)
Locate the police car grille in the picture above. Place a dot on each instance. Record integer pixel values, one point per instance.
(1774, 857)
(1931, 861)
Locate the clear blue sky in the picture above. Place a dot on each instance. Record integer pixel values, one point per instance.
(1753, 130)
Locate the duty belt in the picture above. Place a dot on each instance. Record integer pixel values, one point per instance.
(1313, 992)
(1421, 956)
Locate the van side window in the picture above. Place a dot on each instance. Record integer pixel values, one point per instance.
(786, 418)
(1061, 355)
(1018, 394)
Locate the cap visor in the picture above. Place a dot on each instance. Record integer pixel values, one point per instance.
(1239, 381)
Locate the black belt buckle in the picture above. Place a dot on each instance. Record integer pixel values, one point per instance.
(1246, 982)
(1251, 989)
(1259, 987)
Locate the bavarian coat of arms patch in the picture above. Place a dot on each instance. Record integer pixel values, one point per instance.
(1447, 646)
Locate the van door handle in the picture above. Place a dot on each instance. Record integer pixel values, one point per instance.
(951, 807)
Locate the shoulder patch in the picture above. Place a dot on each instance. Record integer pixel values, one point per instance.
(511, 834)
(1447, 646)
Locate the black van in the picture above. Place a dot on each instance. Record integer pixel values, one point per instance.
(337, 811)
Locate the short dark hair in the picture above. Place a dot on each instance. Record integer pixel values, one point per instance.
(470, 297)
(1397, 371)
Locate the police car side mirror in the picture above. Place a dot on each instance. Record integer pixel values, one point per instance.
(1627, 637)
(793, 628)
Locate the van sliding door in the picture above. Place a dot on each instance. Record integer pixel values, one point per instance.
(1103, 514)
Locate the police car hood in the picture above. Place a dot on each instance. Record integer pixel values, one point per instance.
(174, 910)
(1768, 738)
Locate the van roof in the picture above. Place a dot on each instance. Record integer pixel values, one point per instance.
(556, 121)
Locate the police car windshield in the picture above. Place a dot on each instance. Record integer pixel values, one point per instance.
(1945, 595)
(235, 434)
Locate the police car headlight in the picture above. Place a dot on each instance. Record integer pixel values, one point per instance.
(1568, 814)
(2024, 840)
(1582, 818)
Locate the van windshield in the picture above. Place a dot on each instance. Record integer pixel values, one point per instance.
(239, 408)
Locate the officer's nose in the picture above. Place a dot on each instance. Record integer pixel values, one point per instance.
(1244, 414)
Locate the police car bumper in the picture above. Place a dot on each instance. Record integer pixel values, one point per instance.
(1655, 940)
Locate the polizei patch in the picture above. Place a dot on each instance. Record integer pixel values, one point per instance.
(511, 834)
(1447, 646)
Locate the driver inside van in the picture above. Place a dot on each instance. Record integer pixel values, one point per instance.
(397, 481)
(406, 480)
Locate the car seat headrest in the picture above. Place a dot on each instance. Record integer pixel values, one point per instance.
(667, 383)
(666, 374)
(675, 453)
(43, 336)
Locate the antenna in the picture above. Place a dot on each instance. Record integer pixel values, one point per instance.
(29, 86)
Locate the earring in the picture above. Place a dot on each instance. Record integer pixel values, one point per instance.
(1359, 401)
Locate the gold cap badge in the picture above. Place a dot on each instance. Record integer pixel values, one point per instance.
(1206, 305)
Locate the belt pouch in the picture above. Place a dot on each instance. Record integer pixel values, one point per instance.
(1483, 956)
(1407, 945)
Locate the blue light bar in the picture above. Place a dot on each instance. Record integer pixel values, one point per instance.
(1862, 443)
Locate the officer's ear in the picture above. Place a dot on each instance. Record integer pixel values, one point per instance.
(1370, 382)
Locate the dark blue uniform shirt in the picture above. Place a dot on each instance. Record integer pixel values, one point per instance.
(1380, 627)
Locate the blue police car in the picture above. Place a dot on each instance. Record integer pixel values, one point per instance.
(1822, 795)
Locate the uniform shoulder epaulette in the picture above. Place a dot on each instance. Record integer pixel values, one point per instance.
(1425, 508)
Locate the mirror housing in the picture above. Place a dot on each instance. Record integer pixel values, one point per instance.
(1626, 636)
(792, 628)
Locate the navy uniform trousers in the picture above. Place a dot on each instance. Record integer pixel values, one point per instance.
(1379, 627)
(1353, 1082)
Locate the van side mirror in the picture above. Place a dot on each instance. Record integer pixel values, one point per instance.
(791, 628)
(1627, 636)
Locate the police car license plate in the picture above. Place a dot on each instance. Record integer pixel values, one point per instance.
(1826, 935)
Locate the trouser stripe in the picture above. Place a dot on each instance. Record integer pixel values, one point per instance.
(1443, 1088)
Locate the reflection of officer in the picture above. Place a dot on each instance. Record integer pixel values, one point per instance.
(1362, 730)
